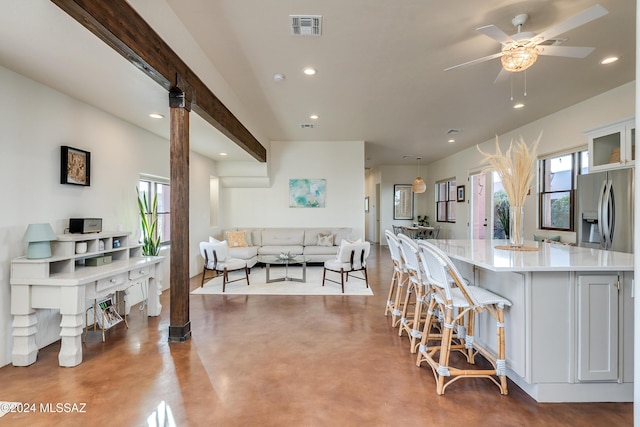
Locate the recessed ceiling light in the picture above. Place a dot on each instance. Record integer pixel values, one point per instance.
(451, 141)
(156, 116)
(309, 71)
(223, 154)
(518, 106)
(313, 117)
(278, 77)
(609, 60)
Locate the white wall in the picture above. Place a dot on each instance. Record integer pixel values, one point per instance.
(36, 122)
(341, 163)
(560, 131)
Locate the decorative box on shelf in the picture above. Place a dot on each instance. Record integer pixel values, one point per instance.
(97, 261)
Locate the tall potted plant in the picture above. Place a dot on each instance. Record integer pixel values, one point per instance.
(149, 222)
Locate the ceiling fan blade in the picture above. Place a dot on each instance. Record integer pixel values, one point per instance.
(475, 61)
(581, 18)
(569, 51)
(495, 33)
(502, 76)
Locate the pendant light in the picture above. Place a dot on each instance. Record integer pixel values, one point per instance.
(419, 185)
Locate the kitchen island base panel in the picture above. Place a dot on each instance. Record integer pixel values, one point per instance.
(574, 393)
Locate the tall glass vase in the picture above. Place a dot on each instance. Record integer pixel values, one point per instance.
(516, 226)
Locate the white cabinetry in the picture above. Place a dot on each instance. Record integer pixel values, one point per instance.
(612, 146)
(598, 314)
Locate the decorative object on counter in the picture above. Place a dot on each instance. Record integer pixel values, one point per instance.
(39, 236)
(81, 247)
(519, 248)
(516, 168)
(75, 166)
(149, 223)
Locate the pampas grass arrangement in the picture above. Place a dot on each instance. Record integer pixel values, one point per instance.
(516, 169)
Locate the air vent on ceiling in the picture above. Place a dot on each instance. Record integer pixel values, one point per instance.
(306, 125)
(306, 25)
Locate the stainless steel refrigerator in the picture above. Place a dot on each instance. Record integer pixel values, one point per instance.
(605, 210)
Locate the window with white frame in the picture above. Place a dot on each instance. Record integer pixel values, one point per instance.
(158, 187)
(446, 201)
(558, 177)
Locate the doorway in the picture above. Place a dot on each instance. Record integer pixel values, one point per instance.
(480, 205)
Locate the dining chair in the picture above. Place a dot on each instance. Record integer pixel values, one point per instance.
(459, 304)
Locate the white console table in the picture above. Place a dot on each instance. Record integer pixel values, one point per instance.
(64, 282)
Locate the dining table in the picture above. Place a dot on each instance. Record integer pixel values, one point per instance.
(419, 231)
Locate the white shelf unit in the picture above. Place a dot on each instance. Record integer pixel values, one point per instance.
(64, 258)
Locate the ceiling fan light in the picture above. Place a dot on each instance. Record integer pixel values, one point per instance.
(518, 58)
(419, 185)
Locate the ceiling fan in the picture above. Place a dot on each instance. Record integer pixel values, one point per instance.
(520, 51)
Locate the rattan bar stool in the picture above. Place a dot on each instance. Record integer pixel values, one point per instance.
(398, 280)
(417, 294)
(459, 305)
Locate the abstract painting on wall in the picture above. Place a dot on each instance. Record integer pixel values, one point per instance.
(307, 193)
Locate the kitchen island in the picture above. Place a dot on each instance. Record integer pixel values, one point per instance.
(569, 332)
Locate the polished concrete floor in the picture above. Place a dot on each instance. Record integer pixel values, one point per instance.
(271, 361)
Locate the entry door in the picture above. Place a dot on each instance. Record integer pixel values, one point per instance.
(480, 205)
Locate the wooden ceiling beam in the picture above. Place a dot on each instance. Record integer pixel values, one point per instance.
(117, 24)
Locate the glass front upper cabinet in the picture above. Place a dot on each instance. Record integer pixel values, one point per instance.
(612, 146)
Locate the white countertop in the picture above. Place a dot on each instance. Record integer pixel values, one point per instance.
(550, 257)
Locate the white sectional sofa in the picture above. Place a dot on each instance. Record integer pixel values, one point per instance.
(315, 243)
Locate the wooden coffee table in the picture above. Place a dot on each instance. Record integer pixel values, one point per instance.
(269, 260)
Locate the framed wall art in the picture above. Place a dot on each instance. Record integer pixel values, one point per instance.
(402, 201)
(307, 193)
(75, 166)
(460, 190)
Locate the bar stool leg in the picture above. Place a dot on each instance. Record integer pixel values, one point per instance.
(396, 315)
(405, 323)
(445, 349)
(501, 366)
(417, 318)
(393, 288)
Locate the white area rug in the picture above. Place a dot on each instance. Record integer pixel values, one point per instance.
(313, 285)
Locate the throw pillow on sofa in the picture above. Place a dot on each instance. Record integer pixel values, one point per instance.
(325, 239)
(236, 239)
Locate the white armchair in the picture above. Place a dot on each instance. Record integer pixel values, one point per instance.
(351, 257)
(216, 259)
